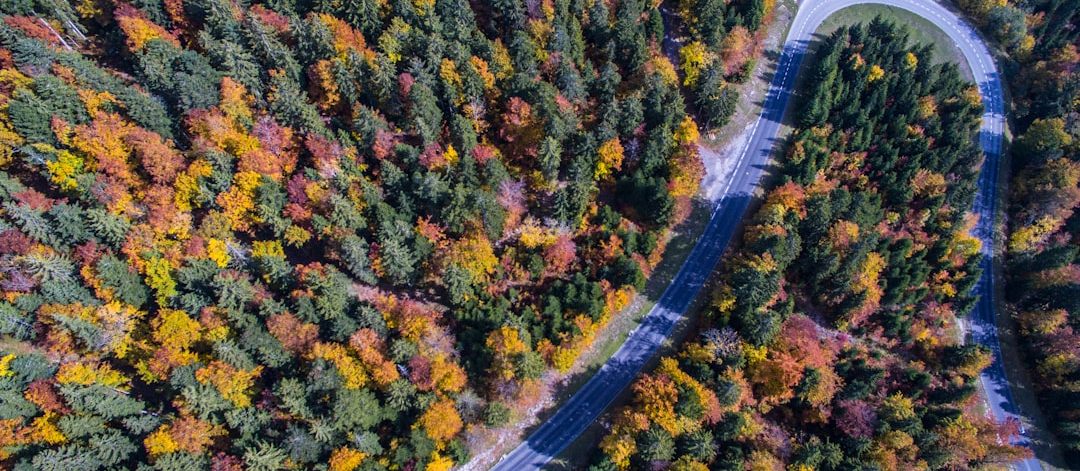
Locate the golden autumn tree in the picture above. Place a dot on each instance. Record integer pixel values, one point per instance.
(441, 422)
(234, 384)
(693, 58)
(609, 159)
(506, 344)
(475, 254)
(655, 396)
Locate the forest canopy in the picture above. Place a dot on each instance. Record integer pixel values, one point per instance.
(319, 234)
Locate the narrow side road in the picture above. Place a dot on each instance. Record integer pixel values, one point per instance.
(621, 369)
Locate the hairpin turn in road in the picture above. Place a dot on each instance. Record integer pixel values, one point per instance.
(620, 370)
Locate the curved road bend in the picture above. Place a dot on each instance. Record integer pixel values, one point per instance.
(589, 402)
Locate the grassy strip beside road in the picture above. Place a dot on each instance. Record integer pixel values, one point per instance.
(922, 30)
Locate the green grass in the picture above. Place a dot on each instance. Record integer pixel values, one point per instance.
(922, 30)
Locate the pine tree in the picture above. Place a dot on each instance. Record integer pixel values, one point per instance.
(109, 228)
(423, 114)
(355, 254)
(656, 444)
(67, 458)
(112, 447)
(362, 15)
(101, 400)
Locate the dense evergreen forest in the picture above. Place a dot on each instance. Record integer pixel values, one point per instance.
(328, 234)
(831, 341)
(1040, 39)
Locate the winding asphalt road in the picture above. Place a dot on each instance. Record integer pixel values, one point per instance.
(619, 371)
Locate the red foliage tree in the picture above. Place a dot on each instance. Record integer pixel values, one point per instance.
(560, 255)
(295, 335)
(856, 418)
(158, 156)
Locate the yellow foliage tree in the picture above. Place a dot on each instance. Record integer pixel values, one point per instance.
(175, 329)
(562, 358)
(187, 184)
(532, 235)
(348, 367)
(475, 254)
(663, 68)
(876, 73)
(234, 384)
(609, 158)
(267, 249)
(687, 132)
(441, 422)
(655, 396)
(160, 442)
(693, 58)
(140, 31)
(297, 236)
(1028, 238)
(63, 170)
(235, 101)
(761, 460)
(897, 407)
(961, 436)
(686, 169)
(117, 322)
(87, 373)
(346, 459)
(217, 252)
(449, 377)
(866, 279)
(439, 462)
(159, 278)
(927, 107)
(619, 448)
(911, 60)
(238, 203)
(506, 344)
(5, 365)
(44, 429)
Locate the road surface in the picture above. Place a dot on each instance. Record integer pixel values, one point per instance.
(619, 371)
